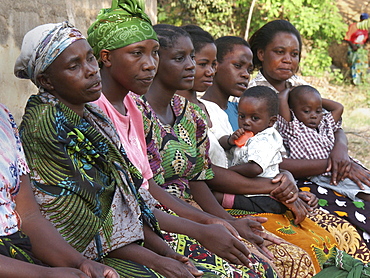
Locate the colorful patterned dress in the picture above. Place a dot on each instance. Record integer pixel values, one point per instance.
(179, 153)
(13, 243)
(357, 54)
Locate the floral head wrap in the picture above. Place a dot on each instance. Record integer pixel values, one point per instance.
(41, 46)
(123, 24)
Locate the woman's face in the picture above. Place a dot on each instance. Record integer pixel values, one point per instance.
(280, 59)
(205, 67)
(74, 76)
(134, 66)
(176, 69)
(233, 73)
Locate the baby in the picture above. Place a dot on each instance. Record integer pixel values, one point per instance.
(308, 133)
(261, 154)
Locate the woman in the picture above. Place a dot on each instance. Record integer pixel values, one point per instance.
(24, 255)
(357, 54)
(205, 70)
(276, 48)
(141, 53)
(80, 171)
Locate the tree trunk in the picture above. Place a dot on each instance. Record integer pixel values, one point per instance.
(249, 20)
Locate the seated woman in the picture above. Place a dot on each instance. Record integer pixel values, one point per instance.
(276, 48)
(28, 255)
(140, 50)
(80, 172)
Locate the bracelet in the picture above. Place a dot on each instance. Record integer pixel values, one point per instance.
(228, 141)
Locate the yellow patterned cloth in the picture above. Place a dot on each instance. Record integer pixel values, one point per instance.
(345, 234)
(316, 241)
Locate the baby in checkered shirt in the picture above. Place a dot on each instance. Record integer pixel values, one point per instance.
(308, 133)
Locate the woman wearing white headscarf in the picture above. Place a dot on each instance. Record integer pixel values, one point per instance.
(28, 242)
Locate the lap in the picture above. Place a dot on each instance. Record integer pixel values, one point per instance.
(347, 220)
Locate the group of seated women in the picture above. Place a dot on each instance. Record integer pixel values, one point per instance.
(111, 173)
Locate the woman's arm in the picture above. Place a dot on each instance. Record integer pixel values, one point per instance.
(47, 244)
(11, 267)
(249, 229)
(301, 168)
(228, 247)
(228, 181)
(157, 255)
(339, 162)
(249, 169)
(180, 207)
(284, 110)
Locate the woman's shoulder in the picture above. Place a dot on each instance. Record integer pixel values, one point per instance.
(296, 80)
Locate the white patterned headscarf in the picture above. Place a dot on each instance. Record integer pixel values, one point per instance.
(41, 46)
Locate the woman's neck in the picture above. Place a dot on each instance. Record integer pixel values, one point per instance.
(159, 99)
(190, 95)
(279, 85)
(113, 91)
(214, 94)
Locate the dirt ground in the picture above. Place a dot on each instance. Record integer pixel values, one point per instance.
(351, 9)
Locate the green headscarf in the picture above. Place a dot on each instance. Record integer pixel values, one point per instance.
(121, 25)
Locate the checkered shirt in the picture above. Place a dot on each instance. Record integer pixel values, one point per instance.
(303, 142)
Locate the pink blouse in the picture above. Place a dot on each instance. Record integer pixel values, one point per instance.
(131, 132)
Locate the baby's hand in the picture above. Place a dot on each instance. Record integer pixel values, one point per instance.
(237, 133)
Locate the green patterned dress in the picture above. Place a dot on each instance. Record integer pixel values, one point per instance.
(177, 155)
(81, 183)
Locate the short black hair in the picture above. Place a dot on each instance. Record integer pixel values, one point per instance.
(226, 44)
(169, 34)
(264, 93)
(265, 35)
(198, 36)
(298, 91)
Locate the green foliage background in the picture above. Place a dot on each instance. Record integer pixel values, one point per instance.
(318, 21)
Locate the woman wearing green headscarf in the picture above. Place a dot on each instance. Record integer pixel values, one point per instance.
(127, 49)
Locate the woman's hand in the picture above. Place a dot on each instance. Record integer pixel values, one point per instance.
(287, 191)
(97, 270)
(176, 265)
(229, 246)
(299, 210)
(250, 228)
(309, 199)
(339, 163)
(359, 175)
